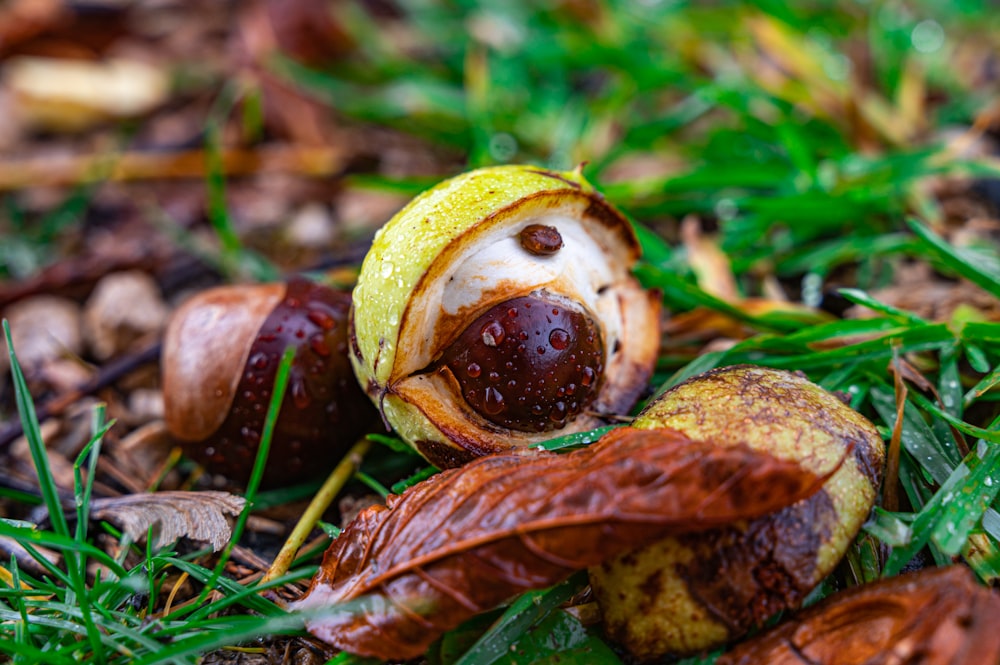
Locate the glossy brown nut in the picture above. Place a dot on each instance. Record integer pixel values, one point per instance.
(540, 240)
(529, 363)
(221, 355)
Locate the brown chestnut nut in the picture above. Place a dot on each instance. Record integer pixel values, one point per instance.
(529, 363)
(220, 358)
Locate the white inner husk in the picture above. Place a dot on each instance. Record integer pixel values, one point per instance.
(495, 267)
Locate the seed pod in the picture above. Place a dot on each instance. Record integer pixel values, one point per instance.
(685, 594)
(220, 357)
(497, 309)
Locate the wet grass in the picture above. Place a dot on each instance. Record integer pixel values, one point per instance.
(805, 139)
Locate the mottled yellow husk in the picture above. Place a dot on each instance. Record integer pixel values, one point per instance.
(396, 334)
(685, 594)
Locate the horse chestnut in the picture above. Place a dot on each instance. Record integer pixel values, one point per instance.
(529, 363)
(220, 358)
(498, 308)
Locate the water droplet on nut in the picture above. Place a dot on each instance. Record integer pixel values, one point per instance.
(322, 319)
(319, 346)
(494, 401)
(300, 395)
(493, 334)
(559, 339)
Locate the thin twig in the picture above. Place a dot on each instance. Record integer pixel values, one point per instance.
(890, 488)
(48, 171)
(320, 502)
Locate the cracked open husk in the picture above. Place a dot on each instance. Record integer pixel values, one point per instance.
(451, 321)
(689, 593)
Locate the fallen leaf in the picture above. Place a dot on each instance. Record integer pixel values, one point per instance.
(708, 262)
(201, 516)
(939, 616)
(467, 539)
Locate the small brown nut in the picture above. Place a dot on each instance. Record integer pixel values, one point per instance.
(540, 239)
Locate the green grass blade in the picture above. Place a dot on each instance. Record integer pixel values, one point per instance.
(992, 436)
(575, 440)
(257, 473)
(982, 332)
(27, 536)
(559, 639)
(963, 510)
(32, 432)
(985, 385)
(966, 263)
(787, 352)
(89, 454)
(74, 556)
(684, 295)
(246, 595)
(893, 529)
(26, 653)
(954, 510)
(527, 610)
(207, 636)
(421, 474)
(859, 297)
(936, 457)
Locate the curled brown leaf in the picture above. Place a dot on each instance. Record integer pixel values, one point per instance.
(939, 616)
(467, 539)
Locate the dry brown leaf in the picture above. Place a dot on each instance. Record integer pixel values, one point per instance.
(708, 262)
(468, 539)
(939, 616)
(201, 516)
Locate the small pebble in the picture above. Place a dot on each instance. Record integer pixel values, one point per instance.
(43, 328)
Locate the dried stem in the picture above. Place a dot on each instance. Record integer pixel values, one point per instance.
(890, 487)
(321, 501)
(27, 172)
